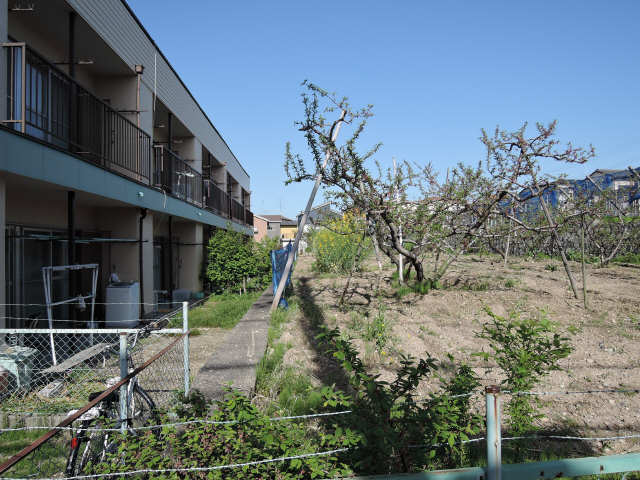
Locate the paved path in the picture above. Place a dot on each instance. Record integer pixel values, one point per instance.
(237, 357)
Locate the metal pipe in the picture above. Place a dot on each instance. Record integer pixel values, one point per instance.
(72, 44)
(169, 130)
(71, 244)
(494, 435)
(170, 260)
(124, 372)
(143, 214)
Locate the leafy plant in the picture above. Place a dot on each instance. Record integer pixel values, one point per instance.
(525, 350)
(233, 257)
(248, 436)
(400, 432)
(336, 245)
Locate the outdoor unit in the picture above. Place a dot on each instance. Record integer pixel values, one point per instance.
(123, 305)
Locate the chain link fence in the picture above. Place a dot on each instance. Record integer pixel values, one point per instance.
(151, 363)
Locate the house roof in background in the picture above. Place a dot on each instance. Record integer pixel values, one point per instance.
(275, 218)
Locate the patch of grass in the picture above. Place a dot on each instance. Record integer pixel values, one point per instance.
(290, 392)
(510, 283)
(551, 267)
(481, 286)
(221, 311)
(633, 258)
(48, 460)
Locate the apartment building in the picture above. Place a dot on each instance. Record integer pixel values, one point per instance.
(105, 158)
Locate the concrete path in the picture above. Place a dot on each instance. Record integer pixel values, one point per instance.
(237, 357)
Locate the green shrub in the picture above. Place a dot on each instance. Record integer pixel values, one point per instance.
(337, 247)
(251, 436)
(232, 257)
(525, 350)
(401, 433)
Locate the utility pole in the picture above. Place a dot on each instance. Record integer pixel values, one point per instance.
(395, 177)
(303, 222)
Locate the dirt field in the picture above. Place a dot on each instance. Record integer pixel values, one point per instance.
(605, 338)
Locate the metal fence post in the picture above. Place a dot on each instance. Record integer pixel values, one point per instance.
(185, 350)
(124, 371)
(494, 435)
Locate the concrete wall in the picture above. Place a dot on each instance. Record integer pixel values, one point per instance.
(190, 150)
(52, 49)
(188, 258)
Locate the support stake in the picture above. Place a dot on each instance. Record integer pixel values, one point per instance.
(494, 435)
(124, 371)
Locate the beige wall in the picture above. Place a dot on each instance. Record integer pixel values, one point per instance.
(188, 258)
(51, 48)
(190, 150)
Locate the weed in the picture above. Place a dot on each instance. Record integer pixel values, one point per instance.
(222, 311)
(510, 283)
(377, 330)
(525, 350)
(551, 267)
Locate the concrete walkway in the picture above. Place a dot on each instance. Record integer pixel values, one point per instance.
(236, 359)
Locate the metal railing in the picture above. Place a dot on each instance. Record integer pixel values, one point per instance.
(45, 103)
(215, 199)
(175, 176)
(237, 211)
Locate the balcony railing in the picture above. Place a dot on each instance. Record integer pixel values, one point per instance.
(175, 176)
(45, 103)
(215, 199)
(237, 211)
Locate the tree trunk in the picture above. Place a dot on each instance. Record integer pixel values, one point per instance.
(584, 276)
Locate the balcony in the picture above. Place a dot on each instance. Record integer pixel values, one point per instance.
(216, 199)
(46, 104)
(175, 176)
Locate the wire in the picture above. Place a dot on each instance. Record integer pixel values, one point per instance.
(194, 469)
(567, 437)
(176, 424)
(567, 392)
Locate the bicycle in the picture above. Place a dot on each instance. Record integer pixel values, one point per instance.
(101, 426)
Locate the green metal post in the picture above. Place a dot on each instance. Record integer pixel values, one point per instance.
(494, 436)
(124, 371)
(185, 350)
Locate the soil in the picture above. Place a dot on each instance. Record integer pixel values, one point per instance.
(605, 337)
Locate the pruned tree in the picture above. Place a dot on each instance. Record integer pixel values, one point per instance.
(440, 218)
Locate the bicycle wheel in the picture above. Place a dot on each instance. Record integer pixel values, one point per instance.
(93, 442)
(143, 411)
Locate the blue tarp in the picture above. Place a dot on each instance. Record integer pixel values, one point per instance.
(278, 262)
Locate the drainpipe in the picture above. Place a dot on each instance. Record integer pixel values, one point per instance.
(71, 245)
(143, 214)
(169, 130)
(170, 260)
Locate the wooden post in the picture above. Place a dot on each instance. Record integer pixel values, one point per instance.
(303, 222)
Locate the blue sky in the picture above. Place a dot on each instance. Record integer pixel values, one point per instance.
(436, 73)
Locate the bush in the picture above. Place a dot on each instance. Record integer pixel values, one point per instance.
(336, 245)
(525, 350)
(231, 256)
(400, 432)
(249, 436)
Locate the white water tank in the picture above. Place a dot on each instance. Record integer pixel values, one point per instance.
(123, 305)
